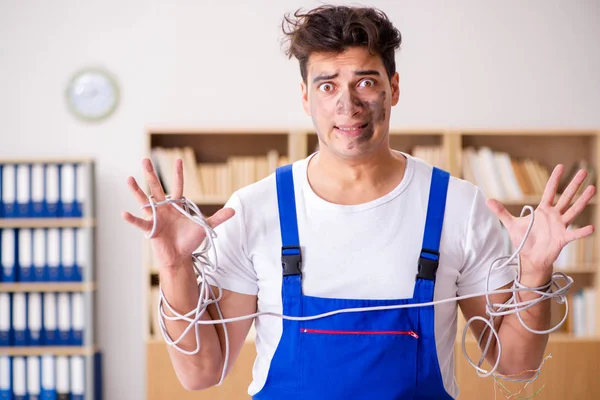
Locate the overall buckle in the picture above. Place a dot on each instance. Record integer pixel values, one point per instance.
(428, 267)
(291, 263)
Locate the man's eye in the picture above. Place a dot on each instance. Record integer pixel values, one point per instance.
(367, 83)
(326, 87)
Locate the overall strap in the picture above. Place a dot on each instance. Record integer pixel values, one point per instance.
(291, 257)
(430, 252)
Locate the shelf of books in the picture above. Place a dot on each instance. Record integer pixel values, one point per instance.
(47, 282)
(514, 169)
(511, 166)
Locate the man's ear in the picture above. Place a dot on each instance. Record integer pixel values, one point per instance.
(304, 89)
(395, 83)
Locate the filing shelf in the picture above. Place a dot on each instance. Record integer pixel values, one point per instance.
(87, 287)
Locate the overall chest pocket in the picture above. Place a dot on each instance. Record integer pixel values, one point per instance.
(370, 356)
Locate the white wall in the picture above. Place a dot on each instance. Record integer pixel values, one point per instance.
(465, 63)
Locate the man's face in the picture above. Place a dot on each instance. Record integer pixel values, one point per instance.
(349, 97)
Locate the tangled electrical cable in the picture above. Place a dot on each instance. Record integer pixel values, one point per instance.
(205, 269)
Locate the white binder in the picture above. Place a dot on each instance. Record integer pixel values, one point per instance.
(53, 253)
(33, 377)
(77, 377)
(62, 376)
(19, 371)
(25, 255)
(19, 318)
(9, 190)
(40, 269)
(34, 318)
(48, 386)
(50, 319)
(64, 319)
(9, 261)
(5, 317)
(37, 190)
(23, 190)
(52, 190)
(5, 377)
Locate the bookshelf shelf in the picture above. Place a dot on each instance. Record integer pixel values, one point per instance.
(533, 201)
(47, 223)
(443, 148)
(579, 269)
(53, 350)
(210, 200)
(47, 287)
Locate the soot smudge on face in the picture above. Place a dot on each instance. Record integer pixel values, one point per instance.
(375, 112)
(377, 108)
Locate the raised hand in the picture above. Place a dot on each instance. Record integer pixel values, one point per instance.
(549, 234)
(176, 236)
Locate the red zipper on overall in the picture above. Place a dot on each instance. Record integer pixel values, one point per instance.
(333, 332)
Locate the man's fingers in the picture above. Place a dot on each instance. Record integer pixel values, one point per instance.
(579, 233)
(567, 196)
(152, 179)
(138, 193)
(141, 223)
(177, 192)
(579, 205)
(552, 185)
(220, 216)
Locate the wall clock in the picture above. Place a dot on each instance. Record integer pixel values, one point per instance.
(92, 94)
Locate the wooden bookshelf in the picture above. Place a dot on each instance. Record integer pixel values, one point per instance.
(443, 148)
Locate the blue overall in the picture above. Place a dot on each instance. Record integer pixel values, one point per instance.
(380, 355)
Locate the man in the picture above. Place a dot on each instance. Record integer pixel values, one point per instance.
(355, 224)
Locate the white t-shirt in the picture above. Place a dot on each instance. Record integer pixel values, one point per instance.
(365, 251)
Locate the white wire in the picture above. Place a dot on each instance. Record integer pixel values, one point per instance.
(206, 270)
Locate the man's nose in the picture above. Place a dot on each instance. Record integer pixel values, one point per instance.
(349, 103)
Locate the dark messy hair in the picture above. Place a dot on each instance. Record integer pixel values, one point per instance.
(333, 29)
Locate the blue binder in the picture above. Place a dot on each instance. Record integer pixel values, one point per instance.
(82, 188)
(5, 319)
(77, 318)
(62, 378)
(77, 377)
(67, 255)
(25, 255)
(34, 372)
(53, 254)
(34, 319)
(67, 191)
(19, 382)
(19, 319)
(8, 259)
(65, 328)
(48, 381)
(5, 377)
(40, 270)
(38, 196)
(50, 319)
(52, 190)
(23, 191)
(9, 191)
